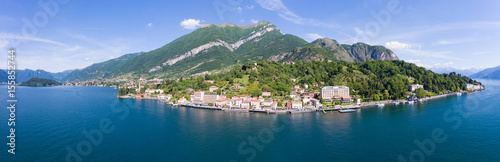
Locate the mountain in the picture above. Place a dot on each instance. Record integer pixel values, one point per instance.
(3, 76)
(24, 75)
(220, 47)
(329, 49)
(61, 75)
(213, 47)
(40, 82)
(100, 70)
(491, 73)
(447, 70)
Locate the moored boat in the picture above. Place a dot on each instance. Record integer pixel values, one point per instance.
(346, 110)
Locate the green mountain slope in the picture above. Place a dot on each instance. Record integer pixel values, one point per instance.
(328, 49)
(100, 70)
(213, 47)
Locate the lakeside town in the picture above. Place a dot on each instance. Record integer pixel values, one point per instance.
(319, 98)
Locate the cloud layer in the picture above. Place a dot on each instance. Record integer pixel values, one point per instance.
(190, 23)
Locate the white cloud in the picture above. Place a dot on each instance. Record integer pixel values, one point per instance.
(413, 61)
(10, 36)
(150, 25)
(239, 9)
(312, 36)
(397, 45)
(249, 7)
(454, 41)
(254, 21)
(190, 23)
(285, 13)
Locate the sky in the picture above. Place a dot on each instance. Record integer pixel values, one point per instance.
(58, 35)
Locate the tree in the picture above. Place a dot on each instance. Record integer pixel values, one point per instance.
(419, 92)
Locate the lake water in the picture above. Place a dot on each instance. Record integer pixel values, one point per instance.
(91, 124)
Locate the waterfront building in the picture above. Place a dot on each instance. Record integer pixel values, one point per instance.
(255, 104)
(181, 100)
(472, 87)
(198, 97)
(208, 98)
(274, 105)
(297, 105)
(246, 104)
(334, 92)
(412, 87)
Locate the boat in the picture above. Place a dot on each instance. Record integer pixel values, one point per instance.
(346, 110)
(459, 93)
(410, 102)
(381, 105)
(396, 103)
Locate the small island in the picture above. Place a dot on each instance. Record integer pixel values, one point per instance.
(40, 82)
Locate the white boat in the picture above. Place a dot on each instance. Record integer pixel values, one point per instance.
(459, 94)
(380, 105)
(410, 102)
(396, 103)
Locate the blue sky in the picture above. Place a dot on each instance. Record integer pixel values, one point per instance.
(71, 34)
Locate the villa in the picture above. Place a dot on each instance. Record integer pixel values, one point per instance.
(413, 87)
(213, 88)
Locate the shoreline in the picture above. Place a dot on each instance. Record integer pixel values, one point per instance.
(336, 108)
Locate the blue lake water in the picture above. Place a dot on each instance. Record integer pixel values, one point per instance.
(51, 123)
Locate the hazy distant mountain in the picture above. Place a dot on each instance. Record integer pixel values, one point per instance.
(100, 70)
(24, 75)
(3, 76)
(447, 70)
(491, 73)
(329, 49)
(61, 75)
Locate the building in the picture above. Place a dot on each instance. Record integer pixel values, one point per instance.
(316, 103)
(293, 79)
(236, 87)
(181, 100)
(153, 91)
(357, 100)
(198, 97)
(332, 92)
(139, 96)
(316, 85)
(296, 87)
(267, 104)
(295, 96)
(274, 105)
(266, 94)
(297, 105)
(220, 102)
(237, 102)
(306, 86)
(162, 96)
(255, 104)
(213, 88)
(209, 81)
(245, 104)
(472, 87)
(208, 98)
(412, 87)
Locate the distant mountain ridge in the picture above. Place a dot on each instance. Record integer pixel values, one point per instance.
(329, 49)
(218, 47)
(100, 70)
(490, 73)
(25, 75)
(447, 70)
